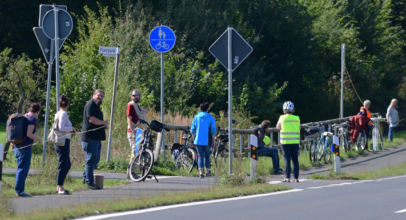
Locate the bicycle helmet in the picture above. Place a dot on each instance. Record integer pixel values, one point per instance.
(288, 107)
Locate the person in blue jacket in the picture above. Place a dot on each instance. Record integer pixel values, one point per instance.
(203, 126)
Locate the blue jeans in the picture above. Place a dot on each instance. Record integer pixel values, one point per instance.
(64, 162)
(203, 159)
(92, 150)
(273, 153)
(291, 152)
(23, 166)
(391, 132)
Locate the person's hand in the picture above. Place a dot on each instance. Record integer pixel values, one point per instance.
(12, 146)
(387, 120)
(212, 145)
(259, 134)
(73, 131)
(106, 125)
(39, 140)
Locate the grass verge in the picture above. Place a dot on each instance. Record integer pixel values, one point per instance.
(396, 170)
(103, 207)
(35, 186)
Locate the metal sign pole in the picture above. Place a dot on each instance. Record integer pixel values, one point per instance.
(162, 102)
(44, 144)
(113, 103)
(1, 166)
(230, 106)
(342, 79)
(56, 56)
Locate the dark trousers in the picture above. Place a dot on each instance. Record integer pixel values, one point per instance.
(291, 152)
(273, 153)
(64, 161)
(23, 157)
(92, 150)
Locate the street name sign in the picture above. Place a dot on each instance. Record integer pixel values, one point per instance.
(109, 51)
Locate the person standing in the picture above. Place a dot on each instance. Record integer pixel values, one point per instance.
(267, 151)
(392, 117)
(134, 113)
(289, 125)
(203, 125)
(93, 132)
(23, 151)
(65, 126)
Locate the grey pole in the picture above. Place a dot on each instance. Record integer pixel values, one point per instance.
(113, 103)
(342, 79)
(44, 143)
(56, 56)
(271, 139)
(162, 101)
(230, 105)
(176, 136)
(1, 166)
(241, 143)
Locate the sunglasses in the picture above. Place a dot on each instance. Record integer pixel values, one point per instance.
(136, 95)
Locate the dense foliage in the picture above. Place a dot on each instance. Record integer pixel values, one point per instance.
(296, 53)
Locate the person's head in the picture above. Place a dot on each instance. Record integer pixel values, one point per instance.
(288, 107)
(135, 95)
(204, 106)
(64, 102)
(35, 108)
(367, 104)
(265, 124)
(98, 96)
(394, 103)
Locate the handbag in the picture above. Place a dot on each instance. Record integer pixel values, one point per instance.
(55, 136)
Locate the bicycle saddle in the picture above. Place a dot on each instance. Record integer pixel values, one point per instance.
(327, 133)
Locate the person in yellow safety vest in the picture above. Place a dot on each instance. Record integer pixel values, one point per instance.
(289, 125)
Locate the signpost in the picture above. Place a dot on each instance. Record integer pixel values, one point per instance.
(162, 39)
(342, 79)
(230, 49)
(55, 25)
(1, 166)
(111, 52)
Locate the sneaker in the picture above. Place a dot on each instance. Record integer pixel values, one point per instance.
(208, 174)
(23, 194)
(201, 176)
(93, 186)
(281, 170)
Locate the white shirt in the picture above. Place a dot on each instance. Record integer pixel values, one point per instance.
(64, 123)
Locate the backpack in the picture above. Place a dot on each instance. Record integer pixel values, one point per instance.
(15, 128)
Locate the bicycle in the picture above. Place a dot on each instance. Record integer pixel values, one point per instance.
(312, 135)
(344, 136)
(323, 145)
(187, 153)
(220, 147)
(362, 139)
(161, 44)
(141, 164)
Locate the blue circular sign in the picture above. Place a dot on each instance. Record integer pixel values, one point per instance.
(162, 39)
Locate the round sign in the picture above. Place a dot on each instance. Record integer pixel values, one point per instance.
(65, 24)
(162, 39)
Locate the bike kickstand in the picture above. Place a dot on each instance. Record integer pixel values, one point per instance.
(154, 175)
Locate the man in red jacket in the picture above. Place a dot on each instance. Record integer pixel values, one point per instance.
(359, 122)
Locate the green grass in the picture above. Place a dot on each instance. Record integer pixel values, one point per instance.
(34, 185)
(2, 132)
(396, 170)
(103, 207)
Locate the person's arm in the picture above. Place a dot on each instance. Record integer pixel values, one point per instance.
(259, 133)
(62, 119)
(213, 132)
(388, 115)
(193, 128)
(31, 135)
(278, 125)
(90, 112)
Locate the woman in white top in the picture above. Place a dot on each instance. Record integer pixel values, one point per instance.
(63, 152)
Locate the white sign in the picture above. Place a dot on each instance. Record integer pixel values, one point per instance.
(109, 51)
(254, 140)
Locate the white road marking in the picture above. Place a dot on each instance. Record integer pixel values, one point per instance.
(401, 211)
(185, 205)
(330, 185)
(279, 182)
(389, 178)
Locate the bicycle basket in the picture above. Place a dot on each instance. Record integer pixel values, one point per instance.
(311, 131)
(156, 126)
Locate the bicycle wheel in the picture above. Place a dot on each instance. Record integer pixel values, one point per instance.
(344, 143)
(328, 153)
(361, 141)
(319, 150)
(312, 150)
(186, 160)
(141, 165)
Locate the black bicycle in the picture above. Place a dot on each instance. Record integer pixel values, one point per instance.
(186, 155)
(141, 164)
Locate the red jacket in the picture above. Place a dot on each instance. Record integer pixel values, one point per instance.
(358, 123)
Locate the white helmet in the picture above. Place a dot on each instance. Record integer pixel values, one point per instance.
(288, 106)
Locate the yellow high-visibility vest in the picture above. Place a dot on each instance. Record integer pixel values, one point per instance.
(290, 133)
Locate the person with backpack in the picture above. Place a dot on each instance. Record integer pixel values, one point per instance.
(23, 151)
(289, 125)
(65, 126)
(203, 125)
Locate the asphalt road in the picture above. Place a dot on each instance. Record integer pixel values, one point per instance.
(371, 199)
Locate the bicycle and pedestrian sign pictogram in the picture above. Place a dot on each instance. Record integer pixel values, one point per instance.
(162, 39)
